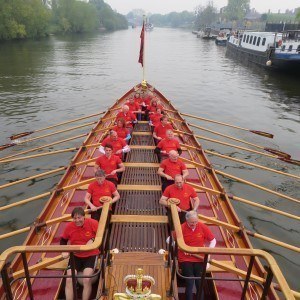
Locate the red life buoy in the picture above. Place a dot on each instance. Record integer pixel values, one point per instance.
(279, 43)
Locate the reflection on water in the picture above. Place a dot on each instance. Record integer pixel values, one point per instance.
(61, 78)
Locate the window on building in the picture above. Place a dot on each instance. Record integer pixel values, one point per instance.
(244, 38)
(254, 40)
(251, 38)
(290, 48)
(283, 48)
(247, 39)
(263, 41)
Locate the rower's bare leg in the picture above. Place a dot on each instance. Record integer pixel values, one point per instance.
(69, 286)
(87, 283)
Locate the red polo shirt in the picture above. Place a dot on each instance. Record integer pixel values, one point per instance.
(161, 130)
(133, 106)
(129, 117)
(97, 191)
(155, 118)
(80, 235)
(195, 238)
(121, 131)
(109, 164)
(184, 195)
(173, 168)
(154, 108)
(168, 145)
(117, 144)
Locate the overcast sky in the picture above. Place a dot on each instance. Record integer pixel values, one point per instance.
(166, 6)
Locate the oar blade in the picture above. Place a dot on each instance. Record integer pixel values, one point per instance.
(2, 147)
(19, 135)
(290, 161)
(262, 133)
(277, 152)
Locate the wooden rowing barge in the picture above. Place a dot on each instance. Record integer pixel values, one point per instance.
(139, 228)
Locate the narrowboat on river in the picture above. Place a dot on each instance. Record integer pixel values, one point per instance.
(132, 239)
(271, 50)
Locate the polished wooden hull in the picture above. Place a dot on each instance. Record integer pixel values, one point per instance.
(139, 225)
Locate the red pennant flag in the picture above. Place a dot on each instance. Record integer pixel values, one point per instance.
(142, 36)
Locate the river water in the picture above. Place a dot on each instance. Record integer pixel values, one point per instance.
(62, 78)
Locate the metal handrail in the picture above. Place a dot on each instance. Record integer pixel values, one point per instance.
(273, 267)
(98, 242)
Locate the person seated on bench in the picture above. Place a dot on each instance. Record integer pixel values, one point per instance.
(81, 231)
(111, 164)
(160, 131)
(170, 167)
(166, 145)
(185, 193)
(98, 189)
(195, 234)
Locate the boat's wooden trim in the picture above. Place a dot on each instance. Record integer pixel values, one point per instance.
(138, 219)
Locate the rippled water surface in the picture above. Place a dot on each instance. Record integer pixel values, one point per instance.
(62, 78)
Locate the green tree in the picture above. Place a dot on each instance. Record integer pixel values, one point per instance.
(297, 11)
(237, 9)
(23, 19)
(108, 18)
(74, 16)
(205, 15)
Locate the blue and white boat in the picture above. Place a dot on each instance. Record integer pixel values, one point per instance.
(280, 51)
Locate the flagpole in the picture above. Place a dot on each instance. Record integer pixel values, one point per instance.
(144, 69)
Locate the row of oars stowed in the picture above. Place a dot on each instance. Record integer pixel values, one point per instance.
(6, 159)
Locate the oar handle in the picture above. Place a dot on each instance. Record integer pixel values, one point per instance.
(2, 147)
(19, 135)
(262, 133)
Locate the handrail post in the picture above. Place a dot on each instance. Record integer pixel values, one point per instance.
(173, 273)
(267, 284)
(201, 287)
(247, 277)
(27, 275)
(72, 265)
(5, 282)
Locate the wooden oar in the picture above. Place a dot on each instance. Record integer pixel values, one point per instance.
(45, 146)
(38, 155)
(236, 146)
(32, 177)
(22, 134)
(240, 161)
(46, 135)
(242, 180)
(251, 164)
(271, 150)
(251, 233)
(46, 223)
(38, 197)
(262, 133)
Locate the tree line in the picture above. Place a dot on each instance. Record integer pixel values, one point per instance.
(236, 12)
(21, 19)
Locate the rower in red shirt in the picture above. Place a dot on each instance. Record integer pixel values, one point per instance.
(160, 131)
(81, 232)
(155, 118)
(167, 144)
(154, 104)
(195, 234)
(118, 144)
(110, 163)
(185, 193)
(121, 130)
(128, 116)
(171, 167)
(97, 189)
